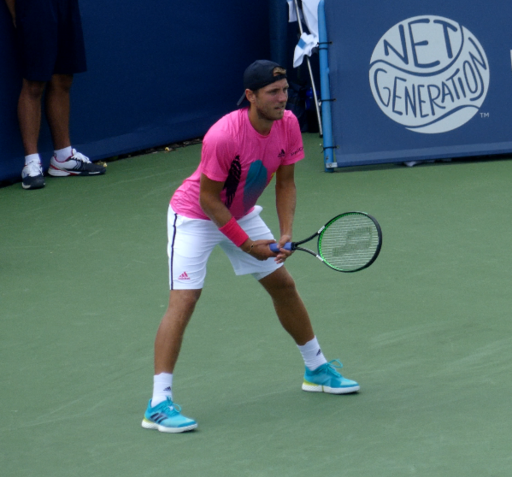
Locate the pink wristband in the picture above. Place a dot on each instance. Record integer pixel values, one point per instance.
(234, 232)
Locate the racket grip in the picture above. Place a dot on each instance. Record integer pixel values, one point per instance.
(275, 248)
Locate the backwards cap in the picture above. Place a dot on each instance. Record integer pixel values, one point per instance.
(260, 74)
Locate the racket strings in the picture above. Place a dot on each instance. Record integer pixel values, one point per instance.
(349, 242)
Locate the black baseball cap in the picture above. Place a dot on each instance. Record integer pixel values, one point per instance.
(260, 74)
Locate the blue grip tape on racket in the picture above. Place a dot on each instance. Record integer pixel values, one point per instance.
(275, 247)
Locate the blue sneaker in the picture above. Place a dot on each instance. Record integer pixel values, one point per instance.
(166, 417)
(325, 379)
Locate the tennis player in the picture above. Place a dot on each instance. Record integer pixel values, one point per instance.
(216, 205)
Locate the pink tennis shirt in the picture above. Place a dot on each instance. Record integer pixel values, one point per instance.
(236, 154)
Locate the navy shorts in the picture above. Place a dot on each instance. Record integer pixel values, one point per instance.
(50, 38)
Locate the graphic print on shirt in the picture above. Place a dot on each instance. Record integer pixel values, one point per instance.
(255, 183)
(231, 184)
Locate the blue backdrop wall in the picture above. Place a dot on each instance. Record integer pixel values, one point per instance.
(158, 72)
(419, 81)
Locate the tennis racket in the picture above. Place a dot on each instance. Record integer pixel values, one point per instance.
(349, 242)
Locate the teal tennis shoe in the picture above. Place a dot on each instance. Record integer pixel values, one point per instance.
(167, 417)
(326, 379)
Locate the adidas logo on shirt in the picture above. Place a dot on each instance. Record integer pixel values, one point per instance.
(184, 276)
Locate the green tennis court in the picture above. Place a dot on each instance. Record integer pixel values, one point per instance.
(426, 331)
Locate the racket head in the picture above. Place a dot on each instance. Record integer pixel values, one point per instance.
(350, 242)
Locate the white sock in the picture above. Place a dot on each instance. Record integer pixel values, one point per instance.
(63, 154)
(32, 158)
(162, 388)
(312, 354)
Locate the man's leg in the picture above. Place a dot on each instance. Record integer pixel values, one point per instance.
(58, 109)
(161, 413)
(29, 117)
(66, 161)
(320, 376)
(289, 306)
(172, 328)
(29, 114)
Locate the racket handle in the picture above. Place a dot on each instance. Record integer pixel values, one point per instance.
(275, 248)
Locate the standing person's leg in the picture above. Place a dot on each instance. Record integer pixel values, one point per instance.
(169, 336)
(29, 117)
(289, 306)
(70, 59)
(36, 36)
(190, 243)
(161, 413)
(29, 114)
(66, 161)
(320, 376)
(58, 109)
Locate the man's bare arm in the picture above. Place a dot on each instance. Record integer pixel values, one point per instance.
(286, 198)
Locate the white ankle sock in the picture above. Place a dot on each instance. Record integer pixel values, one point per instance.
(312, 354)
(32, 158)
(63, 154)
(162, 388)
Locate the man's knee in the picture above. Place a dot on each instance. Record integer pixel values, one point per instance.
(184, 299)
(279, 281)
(61, 83)
(33, 89)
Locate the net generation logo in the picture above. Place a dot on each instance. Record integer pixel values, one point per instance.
(429, 74)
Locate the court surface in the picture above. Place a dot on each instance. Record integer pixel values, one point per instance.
(426, 330)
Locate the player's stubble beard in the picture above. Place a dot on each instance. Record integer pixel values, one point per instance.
(271, 113)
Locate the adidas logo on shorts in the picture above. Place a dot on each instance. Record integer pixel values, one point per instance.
(184, 276)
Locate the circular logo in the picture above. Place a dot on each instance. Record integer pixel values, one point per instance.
(429, 74)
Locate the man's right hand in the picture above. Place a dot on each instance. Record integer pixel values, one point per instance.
(259, 249)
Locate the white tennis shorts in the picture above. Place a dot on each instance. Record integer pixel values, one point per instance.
(191, 241)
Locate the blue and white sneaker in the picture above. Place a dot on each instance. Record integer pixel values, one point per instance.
(325, 379)
(166, 417)
(75, 165)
